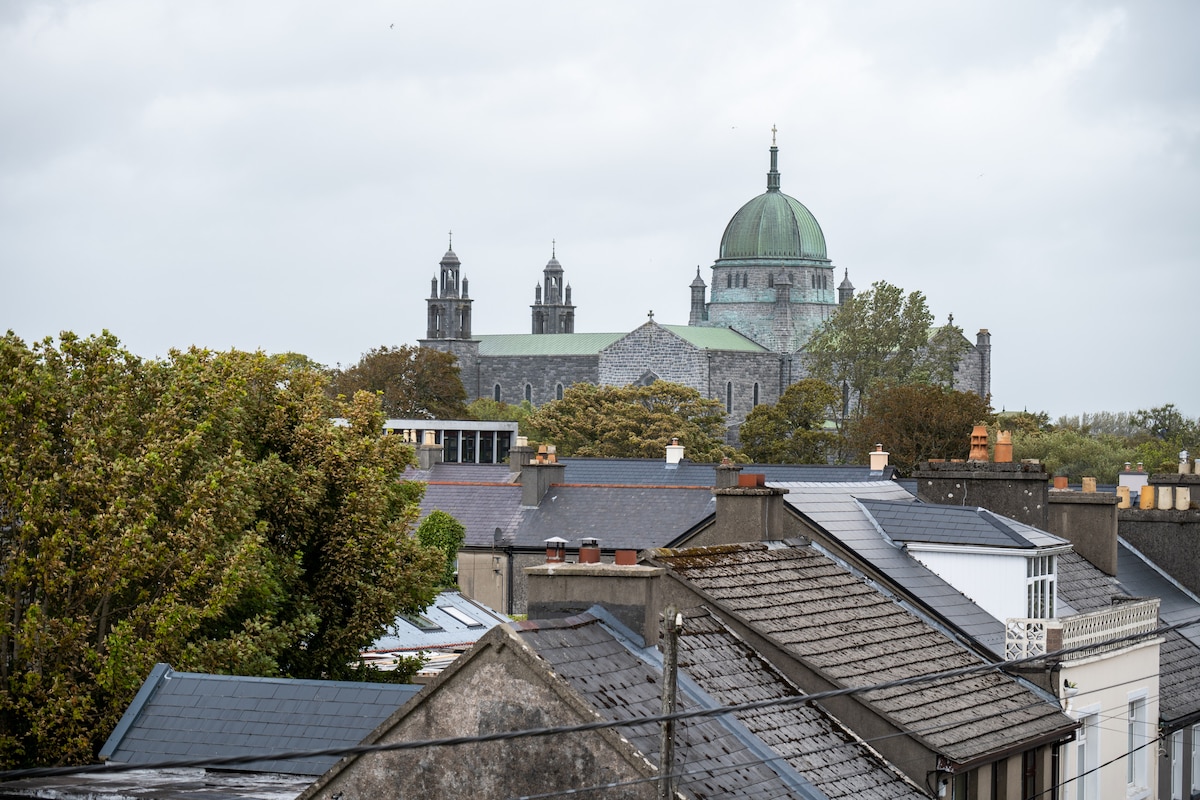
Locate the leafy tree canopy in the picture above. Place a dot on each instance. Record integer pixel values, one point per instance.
(917, 422)
(1074, 453)
(882, 337)
(199, 510)
(413, 382)
(444, 533)
(793, 430)
(487, 409)
(632, 422)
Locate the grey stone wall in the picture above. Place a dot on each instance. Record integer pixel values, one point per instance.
(652, 348)
(1171, 539)
(542, 373)
(499, 687)
(1019, 491)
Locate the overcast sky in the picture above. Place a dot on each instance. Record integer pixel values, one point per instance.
(282, 175)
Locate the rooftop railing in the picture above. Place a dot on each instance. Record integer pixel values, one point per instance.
(1096, 630)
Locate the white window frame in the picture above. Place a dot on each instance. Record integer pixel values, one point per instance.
(1175, 744)
(1041, 586)
(1195, 759)
(1087, 754)
(1137, 756)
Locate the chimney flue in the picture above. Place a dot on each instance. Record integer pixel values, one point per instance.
(589, 551)
(556, 550)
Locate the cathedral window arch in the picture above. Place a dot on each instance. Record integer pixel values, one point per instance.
(728, 397)
(496, 393)
(755, 394)
(529, 392)
(728, 280)
(771, 280)
(558, 391)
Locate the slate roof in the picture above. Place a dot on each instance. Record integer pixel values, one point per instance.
(840, 511)
(404, 635)
(720, 757)
(183, 715)
(619, 516)
(1086, 589)
(905, 521)
(825, 617)
(481, 508)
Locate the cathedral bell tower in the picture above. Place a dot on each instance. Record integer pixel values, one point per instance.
(552, 311)
(448, 305)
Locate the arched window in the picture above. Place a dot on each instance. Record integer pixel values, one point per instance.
(728, 280)
(558, 392)
(770, 280)
(496, 393)
(728, 397)
(745, 279)
(529, 392)
(756, 394)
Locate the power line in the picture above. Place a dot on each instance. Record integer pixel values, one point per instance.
(230, 761)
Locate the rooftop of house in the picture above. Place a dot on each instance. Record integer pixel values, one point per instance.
(450, 621)
(186, 715)
(788, 751)
(840, 510)
(1088, 589)
(664, 501)
(825, 616)
(906, 521)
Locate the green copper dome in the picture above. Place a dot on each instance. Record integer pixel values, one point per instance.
(773, 225)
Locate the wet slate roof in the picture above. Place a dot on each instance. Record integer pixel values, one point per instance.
(184, 715)
(829, 756)
(905, 521)
(825, 617)
(840, 511)
(719, 756)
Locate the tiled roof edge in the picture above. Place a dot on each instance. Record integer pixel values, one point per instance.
(157, 675)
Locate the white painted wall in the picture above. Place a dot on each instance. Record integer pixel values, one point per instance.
(995, 582)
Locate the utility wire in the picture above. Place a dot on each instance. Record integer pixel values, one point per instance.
(230, 761)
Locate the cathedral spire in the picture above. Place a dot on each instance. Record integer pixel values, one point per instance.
(773, 175)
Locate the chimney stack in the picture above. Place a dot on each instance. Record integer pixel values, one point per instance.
(727, 474)
(674, 453)
(538, 475)
(589, 551)
(520, 454)
(879, 458)
(979, 444)
(556, 550)
(429, 452)
(1004, 447)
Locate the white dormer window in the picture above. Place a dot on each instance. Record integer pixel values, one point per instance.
(1041, 575)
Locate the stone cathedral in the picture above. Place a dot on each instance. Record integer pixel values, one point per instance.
(773, 285)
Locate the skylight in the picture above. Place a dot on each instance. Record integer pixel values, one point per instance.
(462, 616)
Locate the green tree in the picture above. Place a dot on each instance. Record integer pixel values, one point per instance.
(413, 382)
(486, 408)
(917, 422)
(882, 337)
(793, 430)
(632, 422)
(1075, 454)
(199, 510)
(444, 533)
